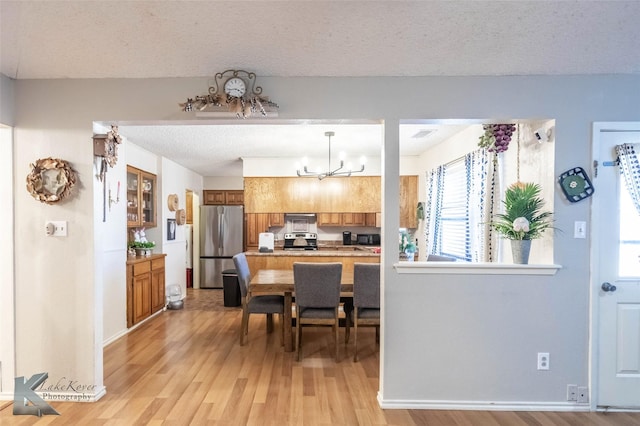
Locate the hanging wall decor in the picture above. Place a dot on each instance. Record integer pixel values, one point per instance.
(106, 147)
(50, 180)
(172, 202)
(235, 92)
(181, 217)
(575, 184)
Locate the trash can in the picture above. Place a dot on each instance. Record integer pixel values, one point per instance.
(231, 288)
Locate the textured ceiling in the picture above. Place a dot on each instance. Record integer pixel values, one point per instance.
(141, 39)
(216, 149)
(138, 39)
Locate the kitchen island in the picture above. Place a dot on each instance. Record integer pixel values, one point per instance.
(284, 259)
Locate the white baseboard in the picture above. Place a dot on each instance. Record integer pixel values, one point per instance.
(128, 330)
(481, 405)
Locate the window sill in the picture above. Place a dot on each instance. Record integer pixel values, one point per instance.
(474, 268)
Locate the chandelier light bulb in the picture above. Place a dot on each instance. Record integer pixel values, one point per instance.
(363, 160)
(305, 161)
(341, 155)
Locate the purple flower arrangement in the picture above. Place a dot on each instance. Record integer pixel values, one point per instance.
(496, 137)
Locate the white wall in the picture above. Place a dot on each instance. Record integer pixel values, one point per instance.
(445, 338)
(223, 182)
(172, 179)
(7, 324)
(175, 180)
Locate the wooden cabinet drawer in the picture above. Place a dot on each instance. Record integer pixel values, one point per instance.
(157, 264)
(141, 268)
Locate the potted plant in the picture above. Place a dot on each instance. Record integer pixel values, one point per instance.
(406, 246)
(523, 219)
(142, 248)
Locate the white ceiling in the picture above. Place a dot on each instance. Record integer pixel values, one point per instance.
(142, 39)
(216, 149)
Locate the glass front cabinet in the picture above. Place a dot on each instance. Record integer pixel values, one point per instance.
(141, 198)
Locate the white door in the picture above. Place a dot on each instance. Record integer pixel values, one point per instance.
(616, 292)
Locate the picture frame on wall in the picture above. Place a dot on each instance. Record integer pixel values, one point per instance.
(171, 229)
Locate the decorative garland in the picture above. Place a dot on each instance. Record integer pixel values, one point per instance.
(496, 137)
(38, 186)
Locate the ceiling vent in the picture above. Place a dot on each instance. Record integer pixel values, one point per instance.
(423, 133)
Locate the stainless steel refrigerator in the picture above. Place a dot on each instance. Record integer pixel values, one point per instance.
(220, 238)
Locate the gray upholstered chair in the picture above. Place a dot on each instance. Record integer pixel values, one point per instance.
(438, 258)
(317, 288)
(267, 304)
(366, 299)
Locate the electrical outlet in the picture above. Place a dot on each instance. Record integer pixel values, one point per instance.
(572, 392)
(583, 394)
(53, 228)
(543, 360)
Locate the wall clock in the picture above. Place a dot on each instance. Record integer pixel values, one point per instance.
(235, 87)
(106, 146)
(234, 91)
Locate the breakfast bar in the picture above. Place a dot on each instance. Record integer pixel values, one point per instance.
(283, 259)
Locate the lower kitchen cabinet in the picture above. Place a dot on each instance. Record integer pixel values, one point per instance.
(145, 287)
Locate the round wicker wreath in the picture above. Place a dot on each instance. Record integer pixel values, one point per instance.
(50, 180)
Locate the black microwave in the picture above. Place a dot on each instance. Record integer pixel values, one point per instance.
(368, 239)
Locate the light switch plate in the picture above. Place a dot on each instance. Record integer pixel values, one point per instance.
(579, 229)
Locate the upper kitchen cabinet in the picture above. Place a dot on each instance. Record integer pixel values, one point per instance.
(141, 198)
(223, 197)
(356, 194)
(408, 201)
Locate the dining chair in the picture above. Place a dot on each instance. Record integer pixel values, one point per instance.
(267, 304)
(366, 299)
(438, 258)
(317, 290)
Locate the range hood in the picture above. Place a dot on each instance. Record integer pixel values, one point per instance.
(300, 222)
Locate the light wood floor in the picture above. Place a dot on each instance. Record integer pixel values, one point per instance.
(186, 367)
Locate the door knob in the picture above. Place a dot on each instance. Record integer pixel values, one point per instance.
(608, 287)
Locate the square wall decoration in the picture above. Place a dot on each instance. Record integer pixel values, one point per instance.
(171, 229)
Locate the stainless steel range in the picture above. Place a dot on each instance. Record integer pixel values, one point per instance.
(301, 241)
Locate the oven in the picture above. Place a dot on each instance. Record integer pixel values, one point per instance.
(301, 241)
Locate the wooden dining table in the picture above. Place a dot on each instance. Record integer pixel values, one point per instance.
(280, 281)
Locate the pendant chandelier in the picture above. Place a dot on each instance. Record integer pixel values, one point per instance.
(330, 172)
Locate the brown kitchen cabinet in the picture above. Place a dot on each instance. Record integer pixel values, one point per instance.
(189, 207)
(329, 219)
(223, 197)
(276, 219)
(358, 194)
(373, 219)
(346, 219)
(141, 198)
(353, 219)
(145, 287)
(408, 201)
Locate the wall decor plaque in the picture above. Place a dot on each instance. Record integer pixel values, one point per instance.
(50, 180)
